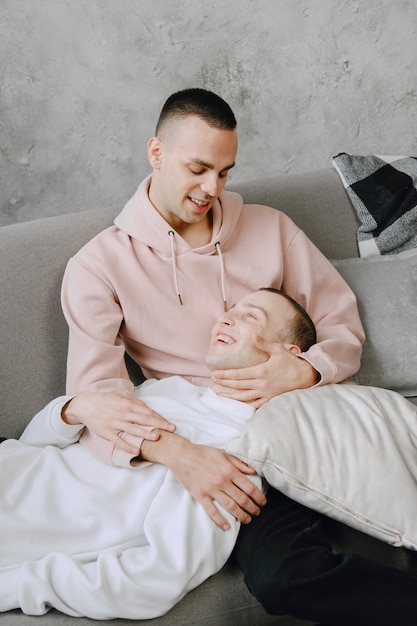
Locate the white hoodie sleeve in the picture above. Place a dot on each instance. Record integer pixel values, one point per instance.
(48, 428)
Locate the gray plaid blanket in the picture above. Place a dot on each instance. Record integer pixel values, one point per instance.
(383, 192)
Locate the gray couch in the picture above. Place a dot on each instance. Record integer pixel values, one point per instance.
(33, 256)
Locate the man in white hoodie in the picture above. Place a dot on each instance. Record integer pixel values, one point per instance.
(111, 542)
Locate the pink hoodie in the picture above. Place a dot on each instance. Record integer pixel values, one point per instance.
(125, 287)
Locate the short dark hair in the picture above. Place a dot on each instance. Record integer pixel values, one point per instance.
(301, 331)
(200, 102)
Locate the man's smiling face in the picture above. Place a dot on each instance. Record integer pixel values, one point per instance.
(261, 313)
(190, 161)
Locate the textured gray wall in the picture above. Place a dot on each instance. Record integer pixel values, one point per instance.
(82, 83)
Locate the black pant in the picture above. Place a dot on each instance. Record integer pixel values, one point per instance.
(291, 570)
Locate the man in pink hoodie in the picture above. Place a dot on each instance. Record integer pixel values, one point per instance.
(178, 254)
(153, 284)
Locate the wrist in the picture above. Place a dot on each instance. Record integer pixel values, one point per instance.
(311, 376)
(166, 450)
(67, 414)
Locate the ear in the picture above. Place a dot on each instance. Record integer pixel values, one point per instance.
(155, 152)
(292, 348)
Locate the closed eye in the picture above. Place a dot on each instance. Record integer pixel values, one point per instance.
(199, 172)
(198, 167)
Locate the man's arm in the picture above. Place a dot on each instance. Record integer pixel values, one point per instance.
(96, 362)
(210, 475)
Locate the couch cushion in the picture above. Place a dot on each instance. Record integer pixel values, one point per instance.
(386, 290)
(348, 451)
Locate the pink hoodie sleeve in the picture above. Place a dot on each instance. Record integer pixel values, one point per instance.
(313, 281)
(95, 350)
(109, 453)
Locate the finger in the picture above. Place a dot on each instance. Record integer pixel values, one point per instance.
(214, 513)
(124, 431)
(239, 505)
(124, 445)
(240, 465)
(146, 417)
(242, 495)
(248, 496)
(143, 428)
(230, 385)
(121, 439)
(243, 374)
(244, 395)
(259, 402)
(142, 432)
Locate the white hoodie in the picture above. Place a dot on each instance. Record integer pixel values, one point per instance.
(105, 542)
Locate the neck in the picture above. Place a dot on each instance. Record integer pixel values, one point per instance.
(196, 235)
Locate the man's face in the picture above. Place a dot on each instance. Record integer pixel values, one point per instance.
(190, 163)
(263, 313)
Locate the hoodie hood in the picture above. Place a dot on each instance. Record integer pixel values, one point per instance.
(141, 221)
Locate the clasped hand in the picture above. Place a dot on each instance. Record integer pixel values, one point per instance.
(218, 477)
(212, 476)
(108, 414)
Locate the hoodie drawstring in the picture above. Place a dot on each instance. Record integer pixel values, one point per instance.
(174, 265)
(219, 252)
(174, 269)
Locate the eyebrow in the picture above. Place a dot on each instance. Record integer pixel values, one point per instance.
(210, 166)
(253, 306)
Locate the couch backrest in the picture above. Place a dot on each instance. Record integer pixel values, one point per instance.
(33, 256)
(317, 203)
(33, 346)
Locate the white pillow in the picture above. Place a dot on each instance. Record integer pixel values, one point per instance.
(348, 451)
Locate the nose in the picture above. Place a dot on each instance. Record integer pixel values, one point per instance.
(212, 185)
(227, 319)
